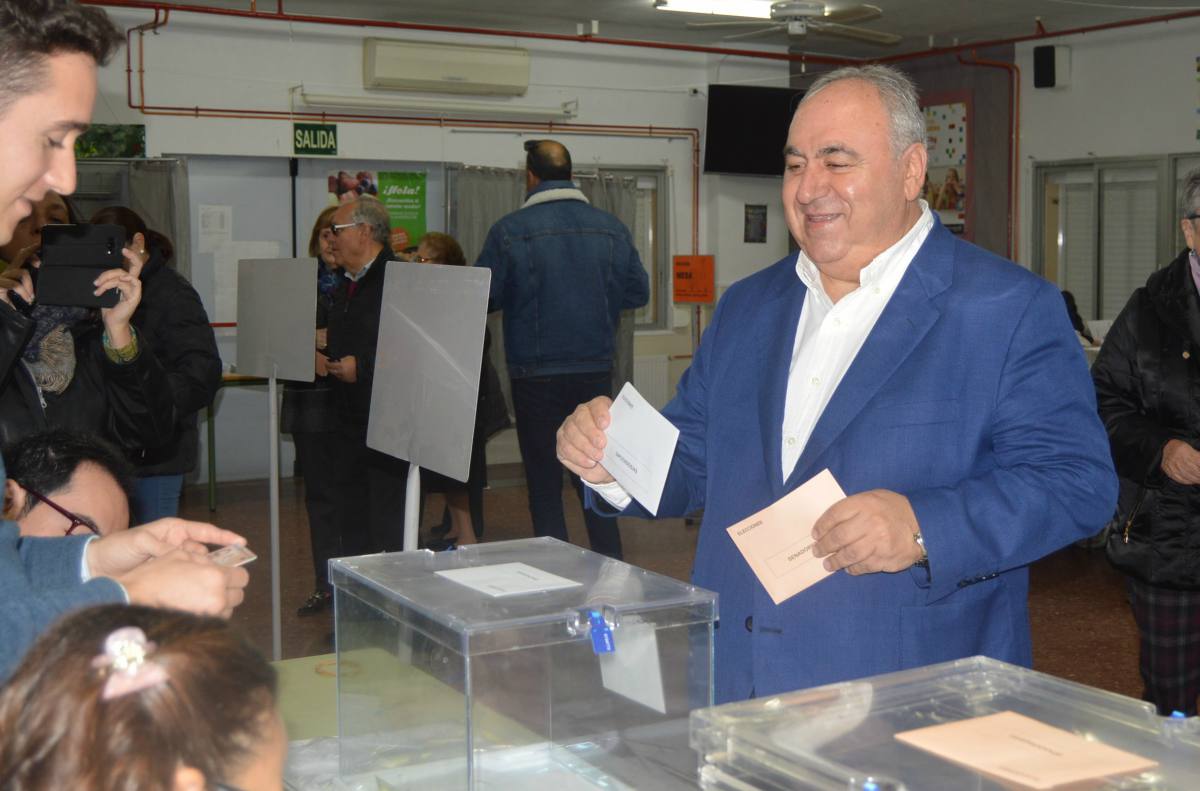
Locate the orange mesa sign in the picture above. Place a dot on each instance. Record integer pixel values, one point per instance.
(694, 278)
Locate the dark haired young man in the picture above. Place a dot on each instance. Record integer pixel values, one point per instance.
(66, 483)
(49, 53)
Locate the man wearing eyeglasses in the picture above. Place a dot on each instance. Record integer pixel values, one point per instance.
(64, 483)
(371, 483)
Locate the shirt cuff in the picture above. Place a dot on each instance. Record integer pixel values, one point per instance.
(85, 573)
(612, 492)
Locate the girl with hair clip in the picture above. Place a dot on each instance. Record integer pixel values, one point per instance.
(124, 697)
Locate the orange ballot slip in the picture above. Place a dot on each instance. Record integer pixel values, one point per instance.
(777, 541)
(1013, 747)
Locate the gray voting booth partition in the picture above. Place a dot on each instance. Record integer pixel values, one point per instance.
(276, 315)
(427, 366)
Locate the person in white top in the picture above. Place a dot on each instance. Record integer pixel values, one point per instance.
(942, 387)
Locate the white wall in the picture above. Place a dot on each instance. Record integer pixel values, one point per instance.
(199, 60)
(735, 258)
(1132, 91)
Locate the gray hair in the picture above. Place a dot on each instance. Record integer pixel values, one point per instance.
(898, 93)
(1189, 200)
(370, 212)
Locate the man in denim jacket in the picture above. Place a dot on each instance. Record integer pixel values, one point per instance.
(562, 272)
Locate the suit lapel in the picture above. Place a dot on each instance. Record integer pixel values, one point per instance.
(774, 329)
(905, 321)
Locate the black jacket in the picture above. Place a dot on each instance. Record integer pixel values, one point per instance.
(309, 407)
(353, 332)
(1147, 377)
(172, 316)
(129, 404)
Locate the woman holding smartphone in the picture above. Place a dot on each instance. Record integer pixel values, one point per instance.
(77, 367)
(171, 315)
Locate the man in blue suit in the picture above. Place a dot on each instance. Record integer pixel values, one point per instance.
(941, 385)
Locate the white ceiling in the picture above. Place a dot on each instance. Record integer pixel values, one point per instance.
(947, 21)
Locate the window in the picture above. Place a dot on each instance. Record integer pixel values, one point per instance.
(1101, 227)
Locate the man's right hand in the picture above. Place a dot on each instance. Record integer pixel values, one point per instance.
(1181, 462)
(183, 580)
(581, 440)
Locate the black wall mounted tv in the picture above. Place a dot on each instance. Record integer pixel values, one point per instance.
(747, 127)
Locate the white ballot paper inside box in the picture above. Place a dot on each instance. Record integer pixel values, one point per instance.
(777, 541)
(641, 444)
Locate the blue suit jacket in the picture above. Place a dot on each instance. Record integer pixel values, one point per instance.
(970, 396)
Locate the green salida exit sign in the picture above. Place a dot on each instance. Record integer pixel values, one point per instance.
(319, 139)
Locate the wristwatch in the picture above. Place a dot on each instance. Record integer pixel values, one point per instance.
(924, 560)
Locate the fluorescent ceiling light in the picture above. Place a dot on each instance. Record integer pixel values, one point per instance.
(755, 9)
(439, 108)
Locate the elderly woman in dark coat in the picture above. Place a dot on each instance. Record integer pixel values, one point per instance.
(1148, 388)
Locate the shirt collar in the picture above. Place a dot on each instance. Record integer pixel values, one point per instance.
(896, 257)
(354, 278)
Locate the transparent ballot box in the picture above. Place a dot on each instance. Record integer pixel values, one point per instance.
(859, 735)
(528, 664)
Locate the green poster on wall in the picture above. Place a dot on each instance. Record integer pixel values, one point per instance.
(404, 196)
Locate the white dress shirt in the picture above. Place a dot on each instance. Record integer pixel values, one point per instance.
(828, 337)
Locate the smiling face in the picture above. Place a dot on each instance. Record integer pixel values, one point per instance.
(39, 132)
(847, 196)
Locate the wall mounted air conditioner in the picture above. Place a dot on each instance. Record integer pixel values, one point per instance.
(397, 65)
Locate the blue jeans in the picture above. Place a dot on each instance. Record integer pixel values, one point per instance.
(154, 497)
(541, 404)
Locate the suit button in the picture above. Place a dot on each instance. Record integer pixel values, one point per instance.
(749, 623)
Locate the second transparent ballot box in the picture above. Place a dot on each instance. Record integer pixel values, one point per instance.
(523, 664)
(905, 731)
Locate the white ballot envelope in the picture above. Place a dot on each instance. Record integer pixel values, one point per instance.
(633, 670)
(777, 541)
(641, 444)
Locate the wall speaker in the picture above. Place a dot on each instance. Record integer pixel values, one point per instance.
(1051, 67)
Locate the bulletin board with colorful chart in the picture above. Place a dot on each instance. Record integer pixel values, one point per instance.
(946, 188)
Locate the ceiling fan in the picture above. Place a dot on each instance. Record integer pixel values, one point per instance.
(799, 18)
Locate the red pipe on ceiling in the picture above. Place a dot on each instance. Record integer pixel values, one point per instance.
(281, 16)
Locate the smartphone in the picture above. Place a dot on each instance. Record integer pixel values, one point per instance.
(73, 256)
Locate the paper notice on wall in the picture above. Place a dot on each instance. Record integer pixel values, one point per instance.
(225, 273)
(216, 228)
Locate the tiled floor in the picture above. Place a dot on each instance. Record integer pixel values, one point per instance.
(1082, 628)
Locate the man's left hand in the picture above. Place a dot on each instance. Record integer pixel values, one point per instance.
(344, 370)
(868, 532)
(123, 550)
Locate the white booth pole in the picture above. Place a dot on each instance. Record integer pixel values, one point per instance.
(276, 621)
(412, 507)
(276, 304)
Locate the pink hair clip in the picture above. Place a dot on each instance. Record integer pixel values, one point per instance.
(126, 658)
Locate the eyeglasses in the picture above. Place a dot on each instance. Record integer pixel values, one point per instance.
(337, 229)
(77, 521)
(420, 259)
(1193, 216)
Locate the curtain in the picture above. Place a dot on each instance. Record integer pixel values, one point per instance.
(617, 196)
(158, 192)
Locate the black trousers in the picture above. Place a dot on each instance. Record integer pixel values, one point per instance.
(315, 455)
(541, 404)
(370, 490)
